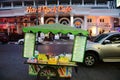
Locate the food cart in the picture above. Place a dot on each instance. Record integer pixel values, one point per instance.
(53, 67)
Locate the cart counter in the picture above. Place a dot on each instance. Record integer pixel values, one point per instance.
(48, 71)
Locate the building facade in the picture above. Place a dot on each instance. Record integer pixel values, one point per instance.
(96, 16)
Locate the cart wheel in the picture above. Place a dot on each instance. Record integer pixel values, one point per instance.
(48, 73)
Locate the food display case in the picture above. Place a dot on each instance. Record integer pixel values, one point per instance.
(47, 66)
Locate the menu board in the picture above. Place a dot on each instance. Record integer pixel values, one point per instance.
(29, 45)
(79, 48)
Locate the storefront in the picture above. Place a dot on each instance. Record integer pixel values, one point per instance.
(7, 25)
(67, 15)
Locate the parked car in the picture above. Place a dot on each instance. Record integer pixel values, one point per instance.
(3, 38)
(13, 37)
(105, 47)
(38, 41)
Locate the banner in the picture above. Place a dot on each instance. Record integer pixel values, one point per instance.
(79, 48)
(29, 45)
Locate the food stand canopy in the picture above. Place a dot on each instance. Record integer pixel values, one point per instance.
(55, 29)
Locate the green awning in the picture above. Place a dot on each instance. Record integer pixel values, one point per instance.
(55, 28)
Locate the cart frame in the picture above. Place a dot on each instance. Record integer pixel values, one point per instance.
(54, 28)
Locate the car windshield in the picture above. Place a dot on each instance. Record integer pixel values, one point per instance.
(99, 37)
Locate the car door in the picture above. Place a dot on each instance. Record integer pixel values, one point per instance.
(111, 50)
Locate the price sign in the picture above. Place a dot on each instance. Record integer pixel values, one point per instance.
(79, 48)
(29, 45)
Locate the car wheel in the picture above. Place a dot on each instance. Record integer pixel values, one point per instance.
(21, 43)
(90, 59)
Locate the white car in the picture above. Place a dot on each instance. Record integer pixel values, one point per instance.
(38, 41)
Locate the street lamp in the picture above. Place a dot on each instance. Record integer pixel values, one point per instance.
(36, 3)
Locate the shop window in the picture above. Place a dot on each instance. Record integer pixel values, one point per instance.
(6, 4)
(11, 20)
(102, 1)
(89, 20)
(32, 19)
(28, 3)
(116, 22)
(101, 20)
(76, 1)
(1, 20)
(17, 3)
(41, 2)
(52, 2)
(51, 22)
(35, 22)
(89, 1)
(64, 2)
(77, 23)
(65, 22)
(0, 4)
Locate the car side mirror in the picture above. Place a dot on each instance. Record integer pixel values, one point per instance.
(106, 42)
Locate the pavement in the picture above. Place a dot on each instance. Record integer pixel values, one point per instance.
(12, 65)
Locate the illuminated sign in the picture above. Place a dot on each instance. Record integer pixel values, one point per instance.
(46, 9)
(117, 3)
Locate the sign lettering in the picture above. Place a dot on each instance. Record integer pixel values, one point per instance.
(46, 9)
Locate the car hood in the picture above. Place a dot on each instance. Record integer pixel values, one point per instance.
(88, 41)
(91, 44)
